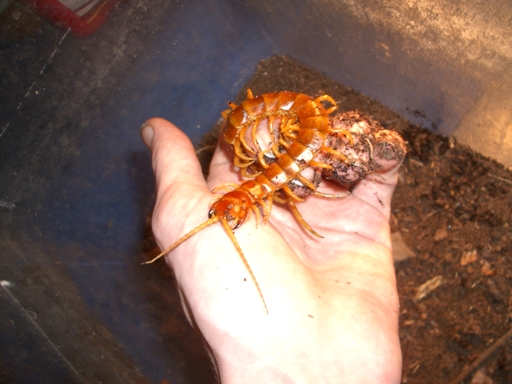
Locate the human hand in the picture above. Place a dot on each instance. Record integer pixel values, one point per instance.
(332, 302)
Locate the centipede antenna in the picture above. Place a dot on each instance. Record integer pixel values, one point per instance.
(197, 229)
(231, 235)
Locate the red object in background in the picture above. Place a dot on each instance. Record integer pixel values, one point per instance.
(82, 16)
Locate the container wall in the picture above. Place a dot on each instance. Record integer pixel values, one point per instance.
(76, 184)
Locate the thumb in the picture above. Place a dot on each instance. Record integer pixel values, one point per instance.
(179, 179)
(173, 155)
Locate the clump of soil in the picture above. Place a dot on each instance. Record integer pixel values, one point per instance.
(453, 210)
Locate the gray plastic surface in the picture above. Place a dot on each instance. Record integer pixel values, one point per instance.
(75, 179)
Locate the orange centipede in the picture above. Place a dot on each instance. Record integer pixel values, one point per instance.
(303, 125)
(297, 126)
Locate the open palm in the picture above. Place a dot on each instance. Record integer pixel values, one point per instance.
(332, 302)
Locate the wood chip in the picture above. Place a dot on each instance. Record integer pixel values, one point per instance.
(427, 287)
(468, 257)
(400, 250)
(486, 269)
(441, 234)
(481, 378)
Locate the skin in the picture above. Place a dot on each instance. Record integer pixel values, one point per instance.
(332, 302)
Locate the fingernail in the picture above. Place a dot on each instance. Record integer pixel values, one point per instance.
(147, 133)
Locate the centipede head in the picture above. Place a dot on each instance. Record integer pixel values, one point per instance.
(234, 207)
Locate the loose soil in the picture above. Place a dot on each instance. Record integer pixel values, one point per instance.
(451, 217)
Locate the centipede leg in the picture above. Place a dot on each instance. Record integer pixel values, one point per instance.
(290, 129)
(290, 193)
(246, 175)
(314, 163)
(370, 146)
(254, 130)
(244, 142)
(306, 182)
(329, 195)
(267, 208)
(335, 153)
(330, 100)
(257, 214)
(226, 187)
(241, 164)
(345, 132)
(226, 112)
(261, 159)
(300, 219)
(239, 152)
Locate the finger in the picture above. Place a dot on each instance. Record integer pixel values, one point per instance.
(222, 153)
(377, 188)
(222, 169)
(182, 205)
(181, 188)
(374, 155)
(173, 156)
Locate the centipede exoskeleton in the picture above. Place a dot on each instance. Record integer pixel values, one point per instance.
(273, 137)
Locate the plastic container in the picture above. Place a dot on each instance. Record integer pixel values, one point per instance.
(83, 17)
